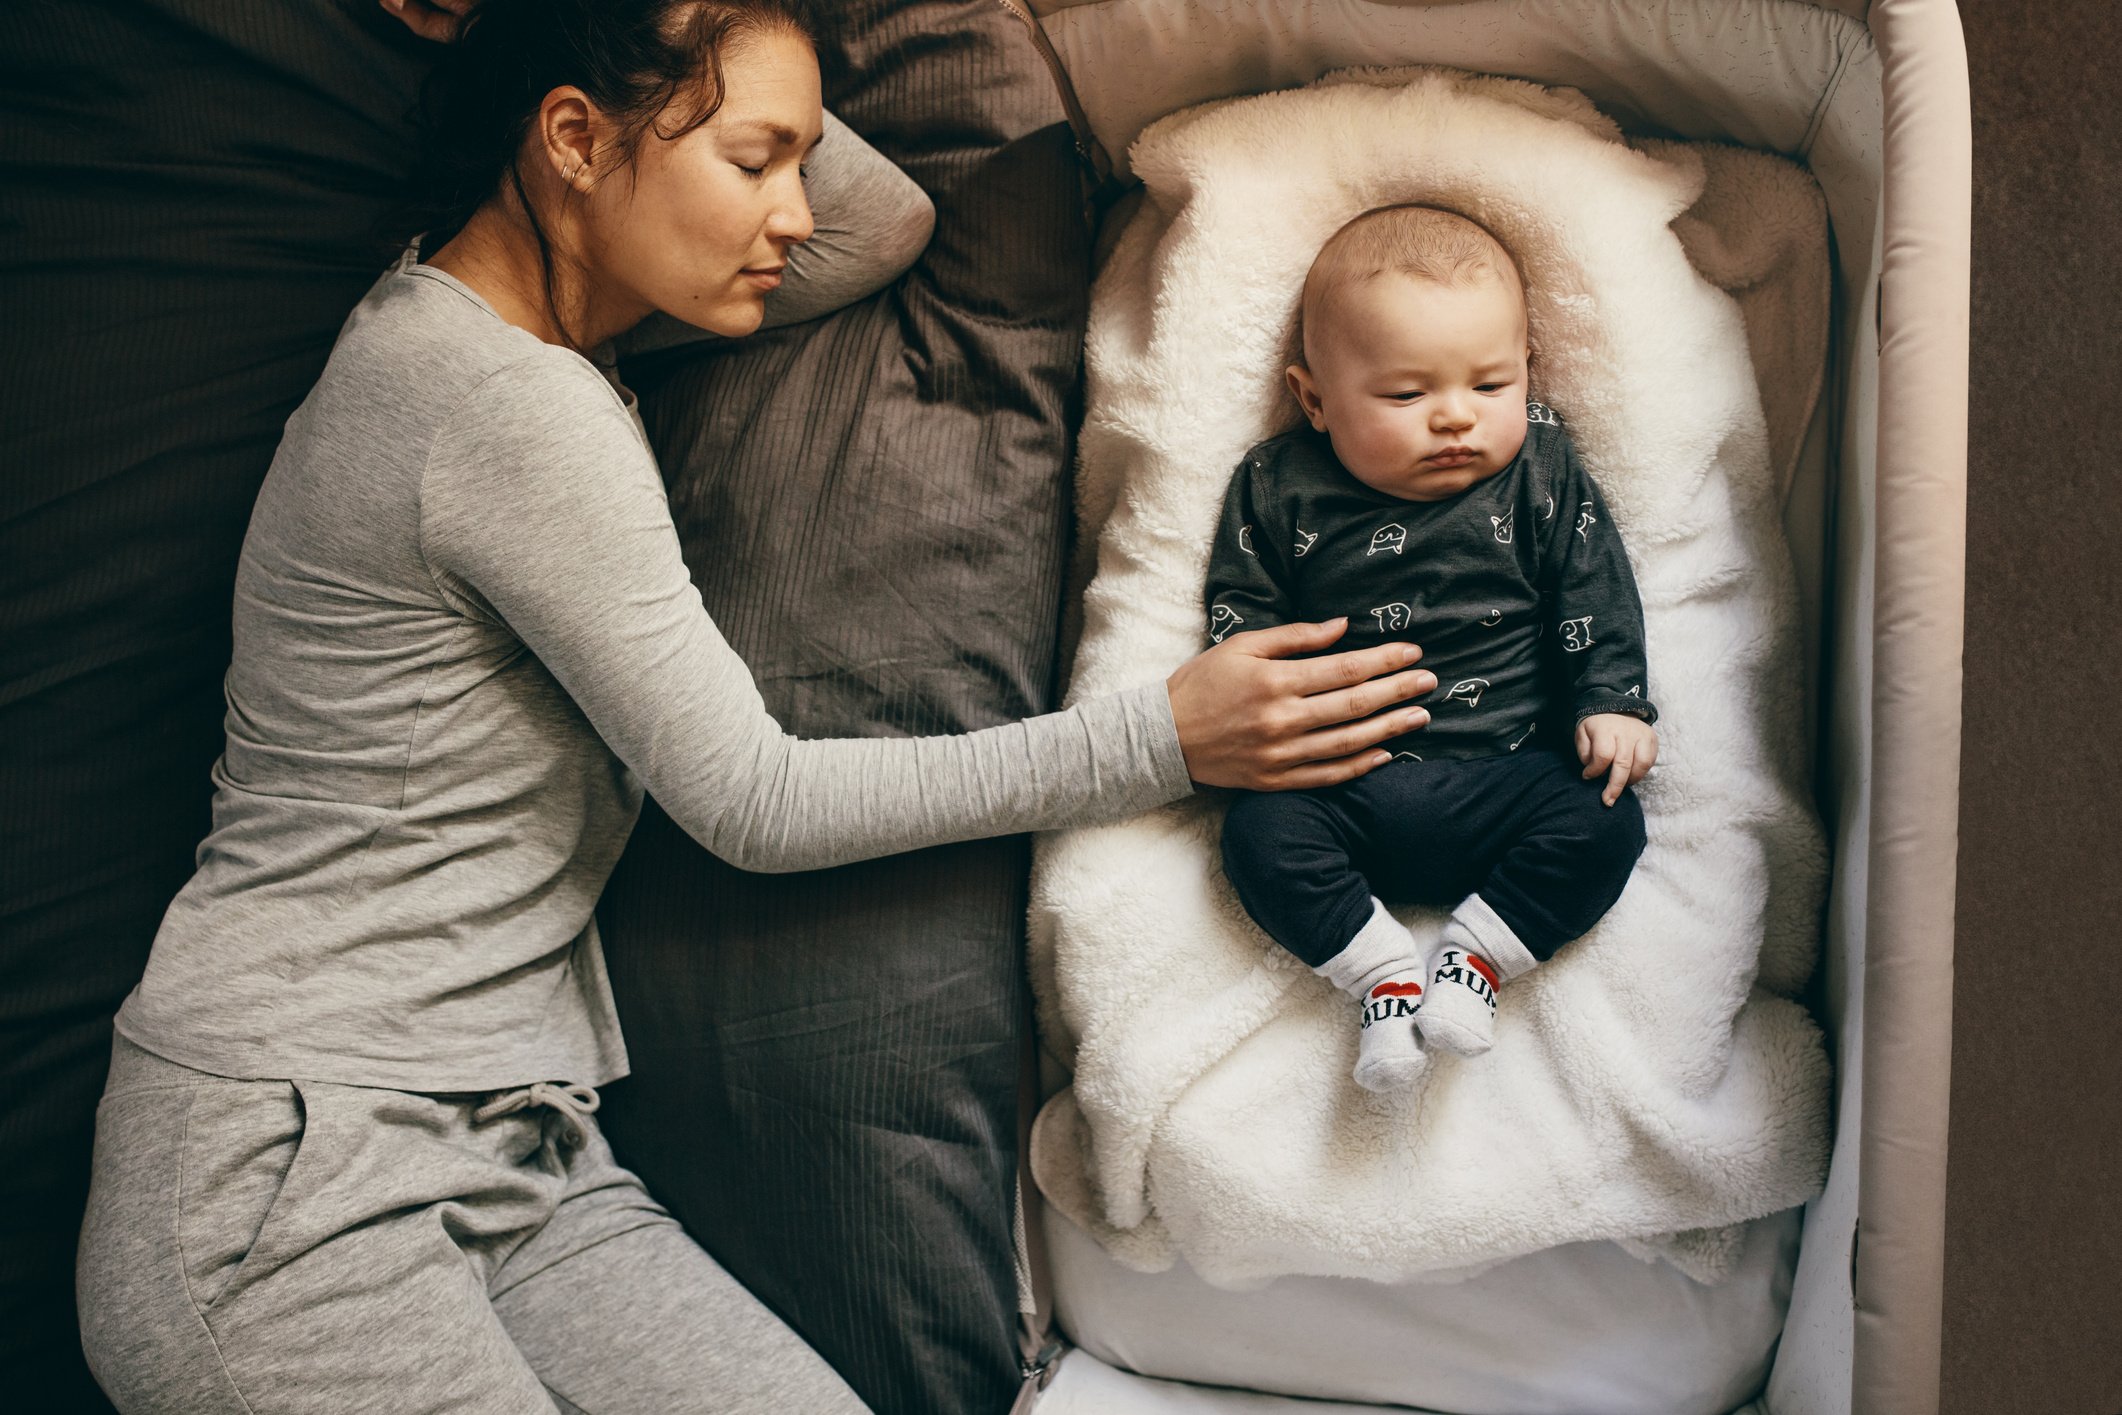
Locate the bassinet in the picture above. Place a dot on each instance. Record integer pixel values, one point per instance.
(1873, 98)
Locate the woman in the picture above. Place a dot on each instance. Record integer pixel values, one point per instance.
(346, 1158)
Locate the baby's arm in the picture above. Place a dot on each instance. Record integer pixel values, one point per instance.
(1597, 618)
(1248, 567)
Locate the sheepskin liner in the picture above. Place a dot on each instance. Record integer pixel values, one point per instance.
(1655, 1083)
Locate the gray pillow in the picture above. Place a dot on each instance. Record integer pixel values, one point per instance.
(875, 509)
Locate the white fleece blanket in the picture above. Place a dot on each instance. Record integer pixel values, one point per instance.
(1653, 1083)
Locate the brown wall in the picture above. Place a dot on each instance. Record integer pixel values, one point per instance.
(2033, 1275)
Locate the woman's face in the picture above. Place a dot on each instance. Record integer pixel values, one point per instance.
(702, 225)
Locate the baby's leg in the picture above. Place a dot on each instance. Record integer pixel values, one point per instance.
(1289, 855)
(1562, 860)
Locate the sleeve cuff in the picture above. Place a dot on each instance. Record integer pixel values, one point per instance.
(1615, 702)
(1149, 711)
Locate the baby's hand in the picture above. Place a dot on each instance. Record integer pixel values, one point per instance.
(1620, 745)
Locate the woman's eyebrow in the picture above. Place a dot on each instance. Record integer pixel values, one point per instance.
(778, 132)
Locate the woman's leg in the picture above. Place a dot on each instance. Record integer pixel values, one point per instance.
(268, 1246)
(621, 1313)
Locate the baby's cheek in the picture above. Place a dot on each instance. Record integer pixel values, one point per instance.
(1384, 443)
(1510, 437)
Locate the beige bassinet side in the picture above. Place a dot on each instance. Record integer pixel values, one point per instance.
(1874, 97)
(1917, 625)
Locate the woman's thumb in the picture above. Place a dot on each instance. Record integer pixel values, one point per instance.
(1283, 640)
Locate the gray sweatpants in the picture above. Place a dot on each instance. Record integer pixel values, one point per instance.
(286, 1246)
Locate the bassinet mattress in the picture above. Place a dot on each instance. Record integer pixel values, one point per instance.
(1583, 1329)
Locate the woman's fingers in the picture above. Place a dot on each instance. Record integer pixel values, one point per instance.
(1288, 640)
(1347, 704)
(1345, 670)
(1333, 742)
(1322, 773)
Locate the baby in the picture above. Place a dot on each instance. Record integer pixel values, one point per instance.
(1427, 500)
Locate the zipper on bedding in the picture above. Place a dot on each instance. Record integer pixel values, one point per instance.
(1088, 147)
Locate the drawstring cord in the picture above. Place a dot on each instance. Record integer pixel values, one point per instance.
(573, 1103)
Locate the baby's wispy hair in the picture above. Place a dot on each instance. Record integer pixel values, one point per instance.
(1408, 238)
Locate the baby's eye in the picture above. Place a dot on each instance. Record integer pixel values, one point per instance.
(1407, 397)
(1491, 387)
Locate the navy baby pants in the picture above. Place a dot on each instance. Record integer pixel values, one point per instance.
(1526, 831)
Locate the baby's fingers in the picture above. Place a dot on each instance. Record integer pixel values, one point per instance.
(1617, 779)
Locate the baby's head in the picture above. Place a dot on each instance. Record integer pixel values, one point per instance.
(1414, 351)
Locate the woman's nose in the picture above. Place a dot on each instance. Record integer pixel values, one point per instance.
(791, 220)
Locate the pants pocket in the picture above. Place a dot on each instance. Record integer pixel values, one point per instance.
(241, 1169)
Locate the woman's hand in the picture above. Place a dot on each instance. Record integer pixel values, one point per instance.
(1249, 721)
(431, 19)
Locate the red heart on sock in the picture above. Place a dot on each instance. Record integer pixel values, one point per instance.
(1480, 965)
(1397, 990)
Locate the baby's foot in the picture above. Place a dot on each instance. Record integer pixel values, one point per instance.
(1459, 1010)
(1389, 1057)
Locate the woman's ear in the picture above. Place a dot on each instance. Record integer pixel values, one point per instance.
(1307, 392)
(566, 134)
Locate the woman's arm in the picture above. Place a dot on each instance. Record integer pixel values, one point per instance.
(541, 508)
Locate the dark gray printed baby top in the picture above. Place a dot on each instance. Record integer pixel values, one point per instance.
(1518, 589)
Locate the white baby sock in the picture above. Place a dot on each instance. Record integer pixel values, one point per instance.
(1383, 969)
(1476, 955)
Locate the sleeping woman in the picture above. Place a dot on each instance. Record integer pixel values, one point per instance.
(347, 1157)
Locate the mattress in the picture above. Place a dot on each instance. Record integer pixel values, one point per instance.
(1582, 1329)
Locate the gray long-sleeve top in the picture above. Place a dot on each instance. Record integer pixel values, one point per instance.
(464, 642)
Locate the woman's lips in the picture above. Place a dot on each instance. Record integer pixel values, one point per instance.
(764, 279)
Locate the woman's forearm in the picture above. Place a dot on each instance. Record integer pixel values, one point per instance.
(817, 803)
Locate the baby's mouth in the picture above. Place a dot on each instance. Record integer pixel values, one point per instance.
(1457, 456)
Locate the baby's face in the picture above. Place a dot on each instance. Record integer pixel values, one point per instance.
(1420, 386)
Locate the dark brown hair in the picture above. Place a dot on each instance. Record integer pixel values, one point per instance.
(649, 65)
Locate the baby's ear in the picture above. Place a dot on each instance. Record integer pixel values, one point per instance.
(1307, 394)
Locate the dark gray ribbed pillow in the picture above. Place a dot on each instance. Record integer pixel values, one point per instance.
(875, 508)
